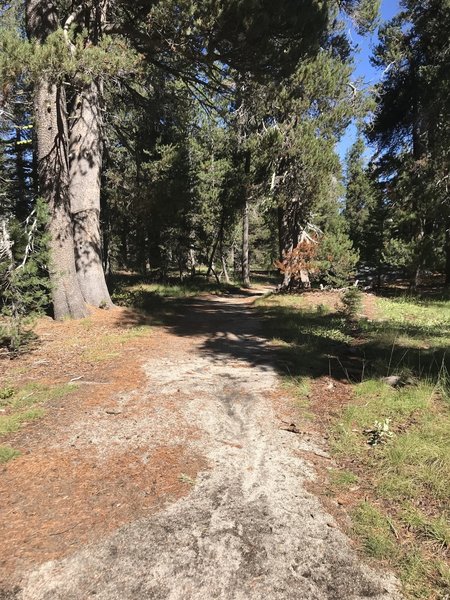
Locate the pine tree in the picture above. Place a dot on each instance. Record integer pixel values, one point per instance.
(411, 130)
(359, 200)
(90, 49)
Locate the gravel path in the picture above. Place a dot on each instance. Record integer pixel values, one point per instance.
(248, 530)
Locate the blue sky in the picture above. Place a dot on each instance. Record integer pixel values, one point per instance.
(363, 68)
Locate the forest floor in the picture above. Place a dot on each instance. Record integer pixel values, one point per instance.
(166, 457)
(378, 388)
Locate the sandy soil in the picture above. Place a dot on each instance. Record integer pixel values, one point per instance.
(249, 528)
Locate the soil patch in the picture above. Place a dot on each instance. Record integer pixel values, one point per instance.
(56, 503)
(90, 464)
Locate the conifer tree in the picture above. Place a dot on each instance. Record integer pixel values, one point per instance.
(50, 113)
(411, 130)
(359, 200)
(79, 55)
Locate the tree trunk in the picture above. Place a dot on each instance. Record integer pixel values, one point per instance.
(417, 278)
(287, 239)
(245, 222)
(245, 247)
(22, 208)
(287, 277)
(281, 236)
(191, 261)
(233, 259)
(216, 243)
(225, 269)
(85, 151)
(447, 252)
(211, 258)
(53, 172)
(304, 278)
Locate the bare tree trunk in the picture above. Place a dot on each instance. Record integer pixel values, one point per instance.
(216, 243)
(245, 247)
(191, 261)
(447, 251)
(304, 278)
(53, 172)
(225, 269)
(417, 278)
(211, 258)
(85, 150)
(22, 206)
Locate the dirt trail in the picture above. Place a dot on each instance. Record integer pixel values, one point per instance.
(248, 530)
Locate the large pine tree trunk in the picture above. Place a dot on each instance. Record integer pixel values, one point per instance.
(85, 150)
(53, 172)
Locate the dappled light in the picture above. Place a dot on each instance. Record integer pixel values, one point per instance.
(312, 341)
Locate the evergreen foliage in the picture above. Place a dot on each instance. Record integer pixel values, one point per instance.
(359, 200)
(24, 283)
(211, 111)
(411, 128)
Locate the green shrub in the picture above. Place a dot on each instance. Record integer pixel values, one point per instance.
(24, 283)
(336, 258)
(352, 302)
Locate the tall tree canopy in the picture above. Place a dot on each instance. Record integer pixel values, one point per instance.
(411, 130)
(119, 92)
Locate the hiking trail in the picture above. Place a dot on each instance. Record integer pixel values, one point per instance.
(248, 529)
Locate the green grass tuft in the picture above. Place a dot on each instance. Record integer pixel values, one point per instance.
(20, 405)
(341, 478)
(11, 423)
(7, 453)
(375, 531)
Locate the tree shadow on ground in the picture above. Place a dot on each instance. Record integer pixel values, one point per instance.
(171, 286)
(326, 344)
(302, 343)
(436, 290)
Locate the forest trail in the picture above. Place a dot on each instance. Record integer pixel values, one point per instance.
(248, 529)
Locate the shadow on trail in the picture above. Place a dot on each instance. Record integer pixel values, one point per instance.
(228, 327)
(307, 343)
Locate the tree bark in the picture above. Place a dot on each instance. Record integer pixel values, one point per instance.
(22, 208)
(289, 227)
(217, 241)
(245, 246)
(191, 261)
(245, 224)
(225, 269)
(447, 252)
(85, 150)
(53, 172)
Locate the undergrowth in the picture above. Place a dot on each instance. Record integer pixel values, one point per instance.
(391, 438)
